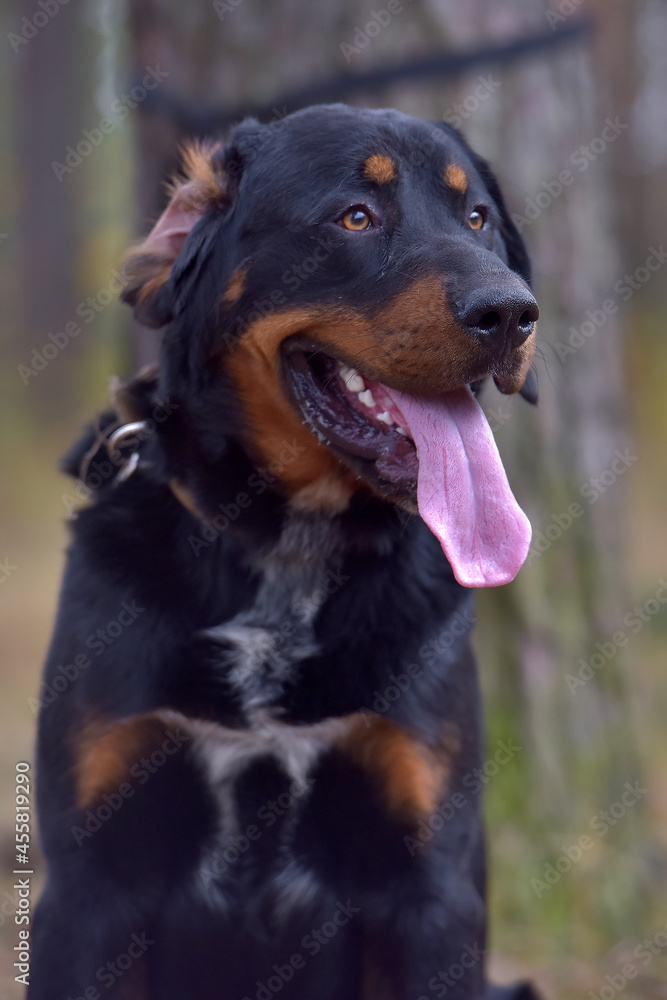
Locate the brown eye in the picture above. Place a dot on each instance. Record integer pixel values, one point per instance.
(477, 218)
(356, 220)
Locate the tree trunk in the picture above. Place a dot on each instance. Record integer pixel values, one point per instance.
(548, 683)
(52, 67)
(554, 645)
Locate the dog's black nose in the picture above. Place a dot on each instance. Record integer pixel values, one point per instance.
(503, 317)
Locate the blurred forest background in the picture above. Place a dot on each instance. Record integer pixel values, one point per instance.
(96, 95)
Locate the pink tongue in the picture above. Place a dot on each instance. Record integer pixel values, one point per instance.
(462, 489)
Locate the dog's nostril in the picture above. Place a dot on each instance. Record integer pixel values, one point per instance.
(526, 321)
(488, 322)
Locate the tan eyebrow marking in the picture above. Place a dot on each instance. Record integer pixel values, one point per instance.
(379, 168)
(456, 178)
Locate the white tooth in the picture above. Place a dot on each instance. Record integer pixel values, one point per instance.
(399, 430)
(352, 379)
(385, 418)
(367, 399)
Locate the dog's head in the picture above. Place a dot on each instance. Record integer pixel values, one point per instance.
(344, 276)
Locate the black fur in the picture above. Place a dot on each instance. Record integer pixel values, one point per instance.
(345, 605)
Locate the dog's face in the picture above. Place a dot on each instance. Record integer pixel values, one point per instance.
(337, 265)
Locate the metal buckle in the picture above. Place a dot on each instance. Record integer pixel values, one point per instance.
(127, 435)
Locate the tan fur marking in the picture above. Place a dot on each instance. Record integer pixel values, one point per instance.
(154, 283)
(236, 284)
(510, 379)
(456, 178)
(122, 392)
(107, 750)
(147, 273)
(428, 352)
(328, 494)
(193, 189)
(275, 426)
(413, 344)
(184, 496)
(207, 184)
(379, 168)
(412, 776)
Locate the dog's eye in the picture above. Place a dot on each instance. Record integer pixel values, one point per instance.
(477, 217)
(356, 220)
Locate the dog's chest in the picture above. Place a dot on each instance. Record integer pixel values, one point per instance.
(262, 780)
(262, 647)
(290, 752)
(261, 650)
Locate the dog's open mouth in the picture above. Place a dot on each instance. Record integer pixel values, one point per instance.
(348, 412)
(439, 451)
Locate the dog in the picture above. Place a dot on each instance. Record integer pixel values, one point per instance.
(260, 708)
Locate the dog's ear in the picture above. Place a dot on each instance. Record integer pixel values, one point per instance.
(148, 265)
(245, 143)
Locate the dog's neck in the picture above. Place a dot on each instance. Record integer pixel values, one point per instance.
(269, 639)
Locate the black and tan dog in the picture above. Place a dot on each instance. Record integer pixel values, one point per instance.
(260, 709)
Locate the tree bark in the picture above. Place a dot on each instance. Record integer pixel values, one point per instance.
(532, 124)
(52, 67)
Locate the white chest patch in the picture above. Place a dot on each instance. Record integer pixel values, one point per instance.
(226, 753)
(262, 647)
